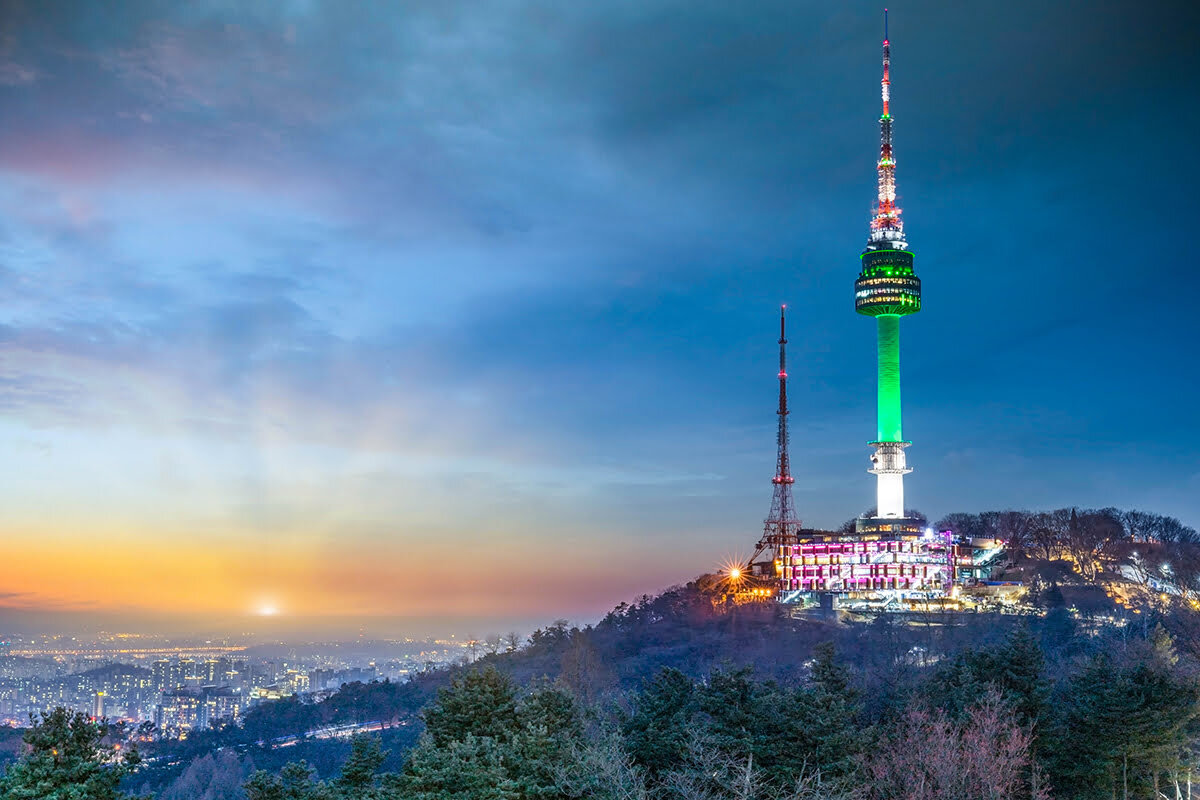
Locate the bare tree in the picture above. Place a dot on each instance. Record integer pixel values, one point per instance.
(1172, 530)
(711, 774)
(1089, 535)
(929, 756)
(583, 670)
(512, 642)
(1016, 529)
(492, 643)
(1140, 557)
(962, 524)
(1050, 531)
(600, 769)
(1139, 525)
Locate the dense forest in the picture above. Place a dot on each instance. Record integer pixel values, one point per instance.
(684, 696)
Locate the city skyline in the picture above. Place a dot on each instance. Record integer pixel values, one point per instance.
(305, 312)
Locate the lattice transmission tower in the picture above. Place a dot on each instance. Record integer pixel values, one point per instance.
(781, 527)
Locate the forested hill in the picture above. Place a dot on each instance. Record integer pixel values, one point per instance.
(683, 628)
(689, 629)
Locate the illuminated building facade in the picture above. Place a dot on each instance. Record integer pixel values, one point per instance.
(921, 564)
(190, 709)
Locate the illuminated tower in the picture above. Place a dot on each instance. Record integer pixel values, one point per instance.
(888, 289)
(781, 526)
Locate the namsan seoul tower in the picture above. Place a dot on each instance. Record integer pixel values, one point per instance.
(887, 289)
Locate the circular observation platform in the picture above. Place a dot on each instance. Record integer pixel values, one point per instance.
(887, 284)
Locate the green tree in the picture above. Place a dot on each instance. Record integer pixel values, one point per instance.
(471, 768)
(782, 734)
(730, 704)
(295, 781)
(1119, 729)
(656, 733)
(483, 742)
(554, 709)
(67, 760)
(359, 777)
(549, 739)
(828, 674)
(1015, 668)
(826, 737)
(482, 703)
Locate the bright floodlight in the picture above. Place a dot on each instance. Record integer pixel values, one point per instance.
(735, 573)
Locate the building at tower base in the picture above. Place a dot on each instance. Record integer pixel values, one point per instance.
(858, 565)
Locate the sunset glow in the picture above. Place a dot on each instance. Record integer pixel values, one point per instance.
(429, 324)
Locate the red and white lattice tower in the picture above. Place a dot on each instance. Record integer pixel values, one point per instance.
(782, 526)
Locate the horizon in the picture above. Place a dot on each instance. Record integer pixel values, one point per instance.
(315, 316)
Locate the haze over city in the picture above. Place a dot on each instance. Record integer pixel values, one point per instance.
(451, 317)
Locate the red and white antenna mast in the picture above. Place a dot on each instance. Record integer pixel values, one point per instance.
(887, 231)
(781, 528)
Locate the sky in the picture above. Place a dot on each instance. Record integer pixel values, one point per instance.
(431, 311)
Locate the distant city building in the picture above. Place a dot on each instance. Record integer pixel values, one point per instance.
(190, 709)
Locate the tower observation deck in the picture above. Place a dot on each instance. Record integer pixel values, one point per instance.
(887, 289)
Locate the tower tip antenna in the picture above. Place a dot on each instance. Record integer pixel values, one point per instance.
(885, 25)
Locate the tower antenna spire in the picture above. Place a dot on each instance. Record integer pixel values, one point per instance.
(887, 231)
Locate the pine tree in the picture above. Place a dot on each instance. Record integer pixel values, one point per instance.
(1119, 729)
(482, 703)
(1015, 668)
(827, 738)
(295, 781)
(828, 674)
(471, 768)
(550, 736)
(1019, 674)
(66, 760)
(729, 702)
(358, 779)
(553, 709)
(656, 733)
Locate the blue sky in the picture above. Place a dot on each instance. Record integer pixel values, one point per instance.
(334, 303)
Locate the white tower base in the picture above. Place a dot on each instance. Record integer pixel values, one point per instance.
(888, 465)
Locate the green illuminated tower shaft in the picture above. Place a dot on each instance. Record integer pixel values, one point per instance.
(888, 289)
(889, 429)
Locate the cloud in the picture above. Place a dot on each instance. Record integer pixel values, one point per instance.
(331, 270)
(13, 74)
